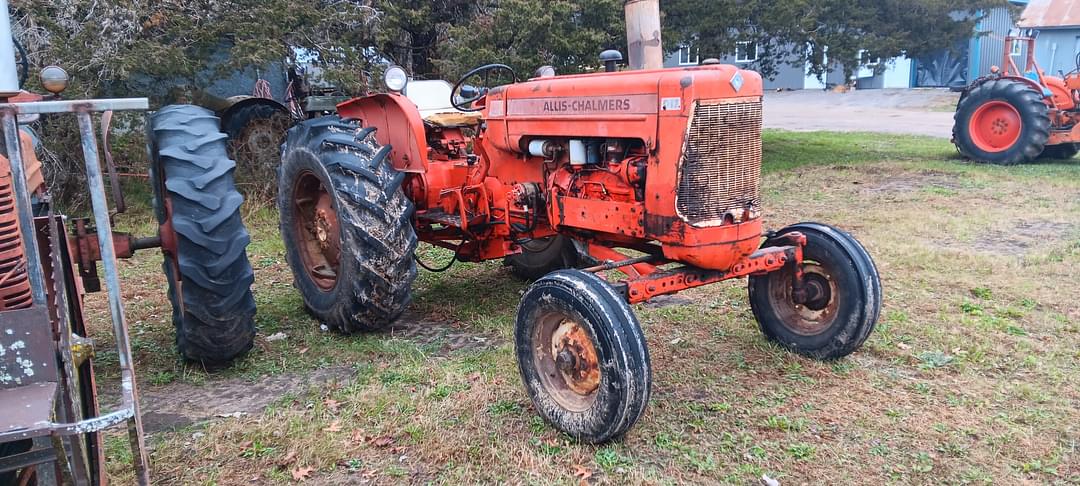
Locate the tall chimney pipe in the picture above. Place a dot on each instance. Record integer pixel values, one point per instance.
(9, 76)
(644, 49)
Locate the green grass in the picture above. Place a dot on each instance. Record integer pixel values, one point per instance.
(970, 376)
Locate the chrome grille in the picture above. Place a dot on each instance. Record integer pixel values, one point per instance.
(720, 170)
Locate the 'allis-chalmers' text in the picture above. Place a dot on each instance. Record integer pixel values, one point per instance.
(589, 104)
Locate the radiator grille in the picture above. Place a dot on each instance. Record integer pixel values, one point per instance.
(720, 168)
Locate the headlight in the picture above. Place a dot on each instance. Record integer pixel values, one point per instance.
(545, 72)
(395, 78)
(54, 79)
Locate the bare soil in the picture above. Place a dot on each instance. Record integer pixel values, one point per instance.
(181, 404)
(1022, 237)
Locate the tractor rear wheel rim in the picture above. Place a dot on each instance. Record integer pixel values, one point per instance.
(566, 360)
(317, 230)
(818, 312)
(995, 126)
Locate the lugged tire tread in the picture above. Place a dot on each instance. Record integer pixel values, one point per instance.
(375, 220)
(217, 319)
(1025, 99)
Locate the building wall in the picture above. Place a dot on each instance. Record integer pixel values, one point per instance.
(988, 43)
(1056, 50)
(787, 76)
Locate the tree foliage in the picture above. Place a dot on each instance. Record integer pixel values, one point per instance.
(527, 34)
(110, 45)
(796, 31)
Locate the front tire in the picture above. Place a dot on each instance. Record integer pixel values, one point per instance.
(582, 356)
(844, 303)
(347, 225)
(1001, 121)
(198, 206)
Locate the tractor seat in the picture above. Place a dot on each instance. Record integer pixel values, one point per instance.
(454, 118)
(432, 99)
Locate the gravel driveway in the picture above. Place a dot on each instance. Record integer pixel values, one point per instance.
(905, 111)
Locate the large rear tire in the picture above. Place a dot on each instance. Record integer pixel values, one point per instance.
(582, 356)
(198, 206)
(347, 225)
(844, 295)
(1001, 121)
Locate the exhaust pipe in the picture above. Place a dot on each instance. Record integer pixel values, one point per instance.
(644, 48)
(9, 77)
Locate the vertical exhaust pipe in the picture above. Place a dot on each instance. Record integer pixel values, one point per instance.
(9, 77)
(644, 49)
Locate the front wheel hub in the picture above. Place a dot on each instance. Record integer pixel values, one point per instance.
(575, 357)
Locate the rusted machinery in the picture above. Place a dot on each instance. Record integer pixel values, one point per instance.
(50, 431)
(655, 173)
(1015, 115)
(51, 424)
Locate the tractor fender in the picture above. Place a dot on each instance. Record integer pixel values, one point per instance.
(397, 123)
(978, 82)
(237, 103)
(1062, 95)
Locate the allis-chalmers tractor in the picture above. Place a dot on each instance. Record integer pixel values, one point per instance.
(1014, 115)
(655, 173)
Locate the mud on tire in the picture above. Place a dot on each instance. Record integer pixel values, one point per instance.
(209, 275)
(839, 320)
(973, 139)
(347, 225)
(582, 355)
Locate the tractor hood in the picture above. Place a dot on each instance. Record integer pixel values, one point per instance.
(626, 104)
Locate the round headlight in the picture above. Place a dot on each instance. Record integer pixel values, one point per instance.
(545, 72)
(54, 79)
(395, 78)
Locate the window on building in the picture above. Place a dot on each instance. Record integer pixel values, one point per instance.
(866, 60)
(687, 55)
(746, 51)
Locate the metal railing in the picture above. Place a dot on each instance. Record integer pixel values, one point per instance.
(83, 109)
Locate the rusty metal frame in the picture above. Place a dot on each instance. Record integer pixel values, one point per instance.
(645, 279)
(83, 109)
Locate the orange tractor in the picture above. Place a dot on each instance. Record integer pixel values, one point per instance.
(653, 175)
(1012, 115)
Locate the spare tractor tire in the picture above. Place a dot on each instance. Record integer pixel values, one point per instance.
(347, 225)
(1062, 151)
(203, 238)
(256, 132)
(1001, 121)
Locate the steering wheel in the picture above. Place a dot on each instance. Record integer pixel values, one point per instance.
(476, 93)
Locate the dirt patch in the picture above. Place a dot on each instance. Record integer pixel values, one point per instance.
(449, 337)
(1023, 237)
(910, 182)
(670, 300)
(180, 404)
